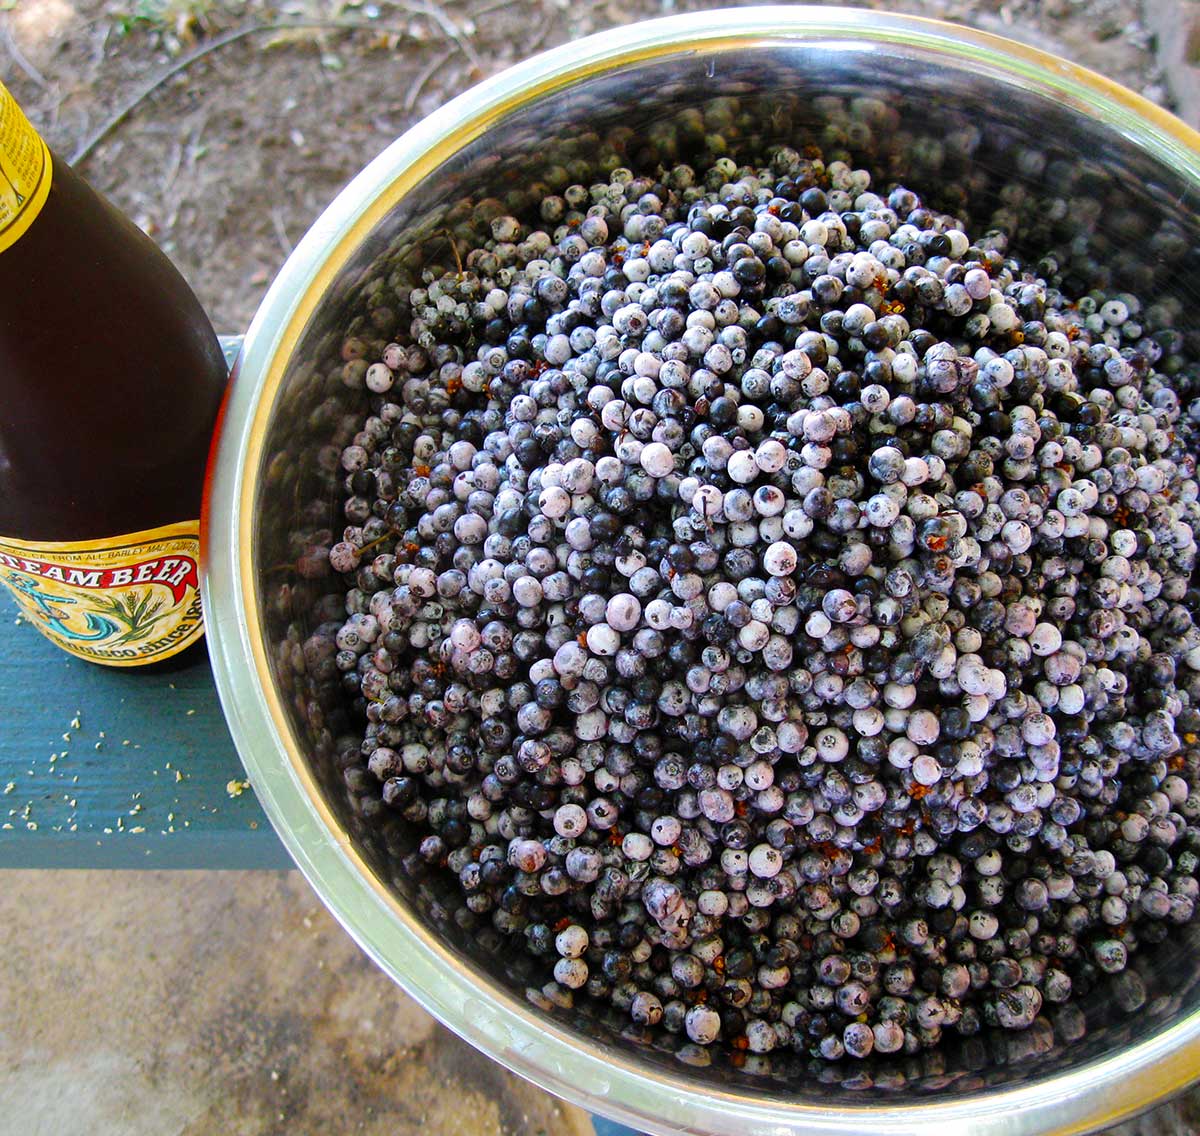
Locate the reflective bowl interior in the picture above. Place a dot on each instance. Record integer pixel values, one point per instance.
(972, 136)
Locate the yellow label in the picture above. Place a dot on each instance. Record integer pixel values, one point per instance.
(24, 171)
(124, 602)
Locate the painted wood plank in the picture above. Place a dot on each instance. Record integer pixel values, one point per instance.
(101, 767)
(606, 1127)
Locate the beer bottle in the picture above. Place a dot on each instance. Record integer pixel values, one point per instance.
(110, 383)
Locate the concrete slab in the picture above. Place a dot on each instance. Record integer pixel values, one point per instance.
(196, 1003)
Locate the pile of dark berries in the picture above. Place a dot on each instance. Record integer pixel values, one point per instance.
(775, 608)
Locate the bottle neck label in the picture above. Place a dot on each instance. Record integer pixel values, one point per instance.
(124, 601)
(25, 171)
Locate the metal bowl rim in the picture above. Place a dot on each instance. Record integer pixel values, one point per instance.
(460, 995)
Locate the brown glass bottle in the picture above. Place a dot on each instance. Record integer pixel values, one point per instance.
(110, 382)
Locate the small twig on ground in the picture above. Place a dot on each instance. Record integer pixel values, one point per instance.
(99, 43)
(19, 57)
(194, 147)
(173, 166)
(281, 232)
(427, 73)
(543, 33)
(490, 6)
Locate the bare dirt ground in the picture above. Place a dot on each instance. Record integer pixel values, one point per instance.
(230, 1003)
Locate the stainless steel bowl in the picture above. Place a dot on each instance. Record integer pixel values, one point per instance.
(956, 114)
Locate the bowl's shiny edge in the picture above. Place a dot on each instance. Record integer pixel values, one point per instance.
(489, 1017)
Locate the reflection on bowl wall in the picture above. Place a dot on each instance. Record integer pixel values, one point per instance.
(1073, 168)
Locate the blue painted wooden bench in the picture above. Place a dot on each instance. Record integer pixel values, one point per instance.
(104, 768)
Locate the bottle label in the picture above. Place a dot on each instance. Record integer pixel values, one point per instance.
(24, 171)
(125, 601)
